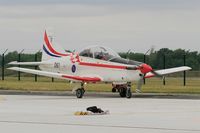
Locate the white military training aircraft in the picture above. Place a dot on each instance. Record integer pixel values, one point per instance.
(93, 64)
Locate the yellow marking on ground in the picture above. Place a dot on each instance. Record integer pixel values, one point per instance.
(81, 113)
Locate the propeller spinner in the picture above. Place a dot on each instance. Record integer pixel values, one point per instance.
(144, 68)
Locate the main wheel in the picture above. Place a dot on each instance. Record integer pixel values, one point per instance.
(128, 93)
(79, 93)
(122, 92)
(114, 89)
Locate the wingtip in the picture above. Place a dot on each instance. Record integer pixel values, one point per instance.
(187, 67)
(12, 68)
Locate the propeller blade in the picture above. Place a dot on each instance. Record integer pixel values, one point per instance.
(155, 73)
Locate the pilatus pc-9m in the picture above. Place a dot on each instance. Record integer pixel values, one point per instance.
(91, 65)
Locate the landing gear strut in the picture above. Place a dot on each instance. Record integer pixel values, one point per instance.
(80, 91)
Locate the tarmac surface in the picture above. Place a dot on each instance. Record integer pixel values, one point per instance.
(101, 94)
(55, 114)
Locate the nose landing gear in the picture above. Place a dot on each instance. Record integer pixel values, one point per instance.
(80, 91)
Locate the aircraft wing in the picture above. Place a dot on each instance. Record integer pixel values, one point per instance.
(58, 75)
(167, 71)
(27, 63)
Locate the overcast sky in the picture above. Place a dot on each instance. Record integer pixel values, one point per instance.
(120, 24)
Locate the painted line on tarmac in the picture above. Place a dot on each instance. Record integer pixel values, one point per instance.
(107, 126)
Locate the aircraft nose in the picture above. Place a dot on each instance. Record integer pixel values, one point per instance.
(144, 68)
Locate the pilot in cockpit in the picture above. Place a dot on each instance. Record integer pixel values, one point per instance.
(101, 55)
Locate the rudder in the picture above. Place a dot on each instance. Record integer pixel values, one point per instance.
(48, 52)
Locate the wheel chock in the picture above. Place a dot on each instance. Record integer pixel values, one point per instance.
(81, 113)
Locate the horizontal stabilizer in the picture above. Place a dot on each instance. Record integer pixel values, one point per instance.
(27, 63)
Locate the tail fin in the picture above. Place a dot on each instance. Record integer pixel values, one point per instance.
(48, 52)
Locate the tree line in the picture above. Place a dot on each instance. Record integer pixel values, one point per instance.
(172, 58)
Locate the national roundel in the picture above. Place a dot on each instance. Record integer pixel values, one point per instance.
(73, 68)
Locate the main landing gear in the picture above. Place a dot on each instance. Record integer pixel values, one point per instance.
(123, 89)
(80, 91)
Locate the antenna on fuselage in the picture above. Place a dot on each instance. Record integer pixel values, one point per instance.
(127, 54)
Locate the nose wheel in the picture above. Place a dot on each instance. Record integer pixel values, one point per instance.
(80, 91)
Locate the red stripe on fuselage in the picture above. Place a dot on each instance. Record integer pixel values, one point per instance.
(86, 79)
(102, 65)
(50, 47)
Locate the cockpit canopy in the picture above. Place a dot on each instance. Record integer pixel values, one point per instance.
(107, 54)
(99, 52)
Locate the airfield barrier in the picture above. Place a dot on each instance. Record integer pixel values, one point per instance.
(185, 77)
